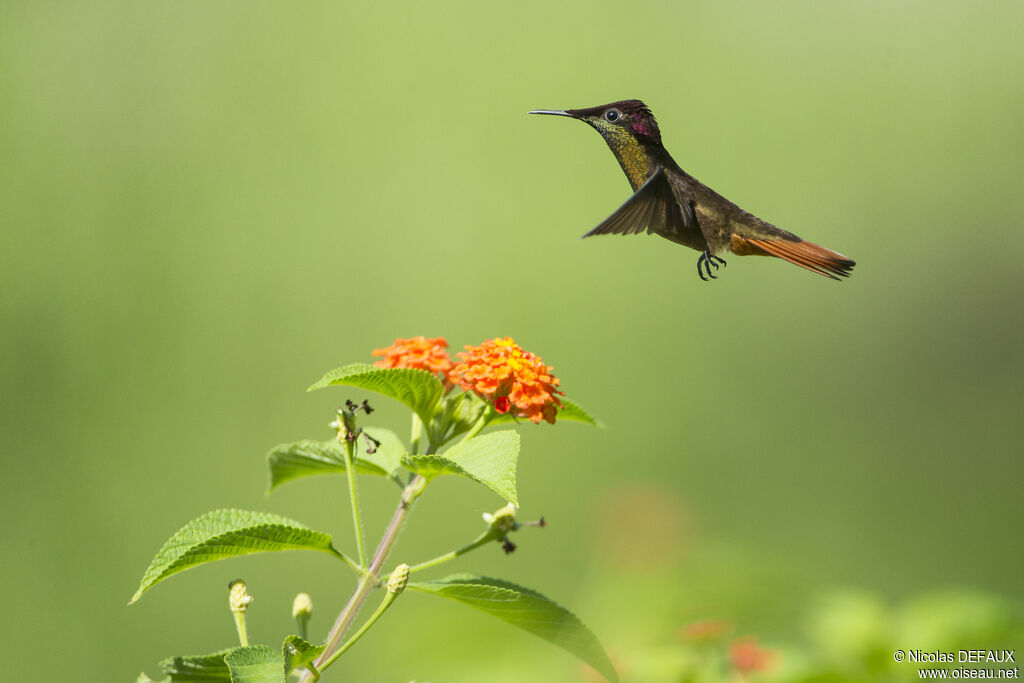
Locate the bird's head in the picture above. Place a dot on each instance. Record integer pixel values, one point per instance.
(629, 129)
(613, 121)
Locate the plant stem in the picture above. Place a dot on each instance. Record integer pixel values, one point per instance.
(350, 469)
(349, 561)
(243, 636)
(409, 495)
(483, 538)
(411, 492)
(417, 432)
(480, 424)
(389, 598)
(369, 580)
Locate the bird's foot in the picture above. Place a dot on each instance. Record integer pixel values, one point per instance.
(705, 262)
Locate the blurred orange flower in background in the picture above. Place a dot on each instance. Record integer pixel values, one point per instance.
(705, 631)
(418, 353)
(513, 380)
(749, 657)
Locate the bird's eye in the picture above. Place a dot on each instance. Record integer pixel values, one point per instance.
(612, 115)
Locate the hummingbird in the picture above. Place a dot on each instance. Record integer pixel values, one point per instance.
(669, 202)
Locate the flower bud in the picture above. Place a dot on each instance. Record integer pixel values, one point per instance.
(239, 597)
(503, 520)
(398, 579)
(302, 606)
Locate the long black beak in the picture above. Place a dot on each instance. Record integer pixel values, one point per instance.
(554, 112)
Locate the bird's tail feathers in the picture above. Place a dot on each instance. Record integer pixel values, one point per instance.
(809, 255)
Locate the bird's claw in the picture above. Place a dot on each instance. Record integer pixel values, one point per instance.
(705, 262)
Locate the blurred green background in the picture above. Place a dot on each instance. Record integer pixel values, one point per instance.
(207, 205)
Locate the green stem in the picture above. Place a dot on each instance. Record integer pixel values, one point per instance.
(366, 583)
(243, 637)
(480, 424)
(349, 561)
(480, 540)
(350, 469)
(344, 620)
(389, 598)
(417, 432)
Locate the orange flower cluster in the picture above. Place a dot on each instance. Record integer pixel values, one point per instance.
(514, 380)
(418, 353)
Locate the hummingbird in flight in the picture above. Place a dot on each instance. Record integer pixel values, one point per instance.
(668, 201)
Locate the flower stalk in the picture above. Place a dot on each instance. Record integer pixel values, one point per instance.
(489, 414)
(239, 600)
(396, 584)
(369, 580)
(353, 493)
(417, 433)
(485, 537)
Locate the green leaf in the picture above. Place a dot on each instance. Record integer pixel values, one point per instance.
(229, 533)
(198, 667)
(418, 389)
(307, 457)
(289, 461)
(298, 653)
(387, 457)
(255, 664)
(489, 459)
(570, 411)
(527, 609)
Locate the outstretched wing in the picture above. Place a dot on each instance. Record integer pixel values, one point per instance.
(654, 208)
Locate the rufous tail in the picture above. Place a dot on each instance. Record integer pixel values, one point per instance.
(805, 254)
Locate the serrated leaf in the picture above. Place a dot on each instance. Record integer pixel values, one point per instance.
(418, 389)
(298, 653)
(489, 459)
(255, 664)
(197, 668)
(288, 461)
(252, 664)
(570, 411)
(308, 457)
(527, 609)
(229, 533)
(431, 466)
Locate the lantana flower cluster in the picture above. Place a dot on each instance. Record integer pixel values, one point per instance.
(419, 353)
(499, 371)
